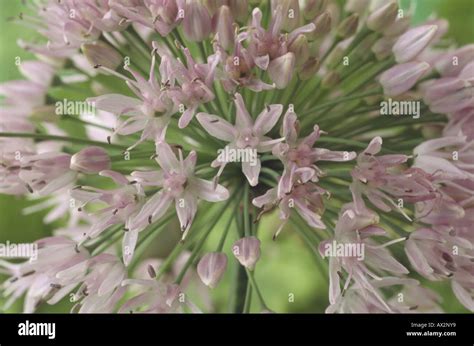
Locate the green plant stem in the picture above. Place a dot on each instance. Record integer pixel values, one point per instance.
(45, 137)
(250, 275)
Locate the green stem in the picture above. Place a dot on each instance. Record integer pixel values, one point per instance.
(250, 275)
(45, 137)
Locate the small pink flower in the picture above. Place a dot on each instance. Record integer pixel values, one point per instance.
(47, 172)
(413, 42)
(270, 48)
(403, 77)
(211, 268)
(451, 94)
(245, 134)
(179, 185)
(122, 204)
(196, 22)
(298, 153)
(376, 178)
(189, 85)
(449, 157)
(90, 160)
(305, 198)
(161, 15)
(38, 280)
(101, 287)
(149, 114)
(356, 228)
(247, 251)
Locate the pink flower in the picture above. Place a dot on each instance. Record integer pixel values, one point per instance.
(305, 198)
(463, 56)
(23, 96)
(162, 15)
(196, 22)
(90, 160)
(123, 203)
(298, 153)
(449, 157)
(47, 172)
(222, 23)
(101, 14)
(189, 85)
(64, 26)
(356, 299)
(401, 78)
(269, 48)
(12, 151)
(101, 287)
(211, 268)
(150, 113)
(179, 185)
(413, 42)
(247, 251)
(451, 94)
(355, 228)
(245, 134)
(157, 297)
(39, 278)
(238, 67)
(461, 123)
(377, 179)
(443, 252)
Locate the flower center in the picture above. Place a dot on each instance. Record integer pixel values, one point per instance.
(174, 184)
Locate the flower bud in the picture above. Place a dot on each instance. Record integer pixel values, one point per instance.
(413, 42)
(383, 47)
(309, 68)
(211, 267)
(451, 64)
(290, 14)
(330, 80)
(449, 95)
(314, 8)
(247, 251)
(281, 70)
(197, 21)
(102, 54)
(357, 6)
(337, 53)
(212, 5)
(322, 26)
(90, 160)
(382, 17)
(239, 9)
(398, 27)
(348, 26)
(223, 27)
(299, 47)
(403, 77)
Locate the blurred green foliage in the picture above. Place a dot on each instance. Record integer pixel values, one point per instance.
(287, 266)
